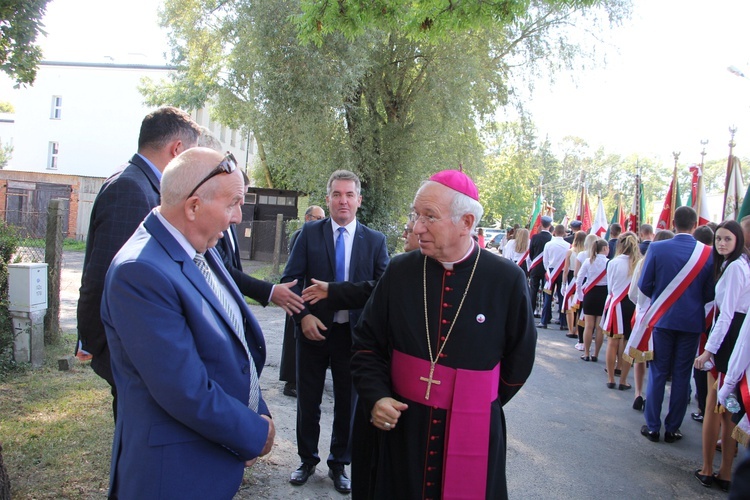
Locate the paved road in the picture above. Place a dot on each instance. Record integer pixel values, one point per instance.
(569, 436)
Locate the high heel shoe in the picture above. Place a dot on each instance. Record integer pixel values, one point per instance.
(638, 403)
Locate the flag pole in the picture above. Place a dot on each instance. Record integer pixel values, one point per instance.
(732, 131)
(673, 201)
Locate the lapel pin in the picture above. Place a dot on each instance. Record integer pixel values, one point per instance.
(480, 318)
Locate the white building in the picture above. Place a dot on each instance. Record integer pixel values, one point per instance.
(84, 119)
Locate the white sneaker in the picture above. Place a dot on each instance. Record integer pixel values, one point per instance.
(579, 346)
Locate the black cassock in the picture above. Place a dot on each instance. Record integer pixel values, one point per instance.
(495, 325)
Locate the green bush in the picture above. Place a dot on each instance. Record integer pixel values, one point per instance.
(8, 246)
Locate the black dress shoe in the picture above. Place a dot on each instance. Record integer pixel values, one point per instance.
(723, 484)
(341, 483)
(706, 481)
(651, 436)
(671, 437)
(302, 474)
(697, 416)
(638, 403)
(290, 389)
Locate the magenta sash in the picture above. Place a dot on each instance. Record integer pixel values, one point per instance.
(467, 395)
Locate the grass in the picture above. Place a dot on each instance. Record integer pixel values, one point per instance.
(55, 429)
(69, 244)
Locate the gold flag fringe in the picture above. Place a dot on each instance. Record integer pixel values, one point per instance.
(741, 436)
(635, 356)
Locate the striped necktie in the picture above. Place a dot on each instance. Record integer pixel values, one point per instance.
(200, 261)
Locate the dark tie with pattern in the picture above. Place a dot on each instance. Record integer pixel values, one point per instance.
(200, 261)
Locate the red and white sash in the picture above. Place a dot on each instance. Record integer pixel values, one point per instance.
(550, 280)
(569, 299)
(741, 433)
(611, 322)
(537, 261)
(591, 284)
(524, 258)
(640, 346)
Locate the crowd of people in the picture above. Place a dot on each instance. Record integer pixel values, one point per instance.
(672, 303)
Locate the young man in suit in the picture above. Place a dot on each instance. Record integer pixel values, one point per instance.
(186, 351)
(536, 272)
(337, 248)
(678, 277)
(122, 203)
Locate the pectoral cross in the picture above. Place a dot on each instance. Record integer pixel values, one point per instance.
(429, 381)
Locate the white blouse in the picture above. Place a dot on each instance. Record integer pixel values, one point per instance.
(617, 273)
(590, 271)
(731, 297)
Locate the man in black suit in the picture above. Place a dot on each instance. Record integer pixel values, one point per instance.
(288, 363)
(536, 248)
(337, 248)
(122, 203)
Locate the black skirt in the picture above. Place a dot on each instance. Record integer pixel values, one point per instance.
(721, 358)
(594, 300)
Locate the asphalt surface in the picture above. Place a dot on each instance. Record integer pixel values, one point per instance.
(568, 435)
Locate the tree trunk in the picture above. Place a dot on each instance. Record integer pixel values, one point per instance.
(263, 162)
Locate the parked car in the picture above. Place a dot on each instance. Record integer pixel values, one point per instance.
(490, 233)
(495, 241)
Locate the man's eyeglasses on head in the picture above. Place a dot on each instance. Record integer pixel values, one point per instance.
(227, 166)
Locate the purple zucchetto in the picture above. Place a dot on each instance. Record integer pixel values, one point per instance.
(457, 181)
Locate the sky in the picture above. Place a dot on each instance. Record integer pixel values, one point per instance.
(665, 86)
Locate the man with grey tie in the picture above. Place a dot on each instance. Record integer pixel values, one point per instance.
(186, 351)
(335, 249)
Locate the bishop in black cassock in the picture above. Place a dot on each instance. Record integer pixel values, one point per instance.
(482, 339)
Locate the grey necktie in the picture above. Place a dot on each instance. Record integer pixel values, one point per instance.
(200, 261)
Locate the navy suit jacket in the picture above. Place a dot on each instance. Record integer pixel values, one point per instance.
(664, 260)
(314, 256)
(122, 203)
(254, 288)
(184, 429)
(536, 247)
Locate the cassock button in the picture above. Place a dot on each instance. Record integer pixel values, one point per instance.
(443, 355)
(445, 304)
(448, 289)
(480, 318)
(448, 273)
(445, 321)
(442, 337)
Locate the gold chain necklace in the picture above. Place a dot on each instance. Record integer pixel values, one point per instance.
(429, 379)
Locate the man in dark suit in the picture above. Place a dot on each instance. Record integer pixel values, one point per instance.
(122, 203)
(646, 233)
(186, 351)
(288, 363)
(536, 248)
(334, 249)
(615, 230)
(678, 277)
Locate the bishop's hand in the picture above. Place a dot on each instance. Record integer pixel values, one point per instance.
(386, 412)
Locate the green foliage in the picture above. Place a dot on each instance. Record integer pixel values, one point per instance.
(6, 153)
(6, 107)
(8, 245)
(20, 23)
(427, 20)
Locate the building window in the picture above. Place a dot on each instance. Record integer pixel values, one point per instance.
(56, 112)
(54, 150)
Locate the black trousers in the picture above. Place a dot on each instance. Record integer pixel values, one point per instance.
(313, 359)
(102, 367)
(288, 363)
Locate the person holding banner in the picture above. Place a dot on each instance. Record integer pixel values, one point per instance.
(592, 292)
(732, 272)
(678, 277)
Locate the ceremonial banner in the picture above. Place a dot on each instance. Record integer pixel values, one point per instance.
(671, 202)
(600, 222)
(734, 191)
(698, 195)
(633, 222)
(615, 220)
(535, 223)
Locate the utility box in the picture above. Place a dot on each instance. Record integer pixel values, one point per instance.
(27, 287)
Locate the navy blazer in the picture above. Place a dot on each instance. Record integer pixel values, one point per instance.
(254, 288)
(314, 256)
(122, 203)
(664, 260)
(184, 429)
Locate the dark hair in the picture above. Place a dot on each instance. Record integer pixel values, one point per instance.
(704, 234)
(599, 245)
(615, 229)
(167, 124)
(739, 248)
(685, 219)
(664, 234)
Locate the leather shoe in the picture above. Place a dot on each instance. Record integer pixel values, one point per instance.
(341, 483)
(697, 416)
(290, 389)
(302, 474)
(671, 437)
(651, 436)
(705, 480)
(723, 484)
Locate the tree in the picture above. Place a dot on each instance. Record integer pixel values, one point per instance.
(383, 104)
(6, 153)
(20, 24)
(6, 107)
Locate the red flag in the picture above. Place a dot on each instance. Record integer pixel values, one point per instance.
(535, 223)
(586, 218)
(633, 221)
(671, 202)
(620, 214)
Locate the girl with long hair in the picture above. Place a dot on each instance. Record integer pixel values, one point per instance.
(732, 273)
(571, 260)
(619, 309)
(591, 283)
